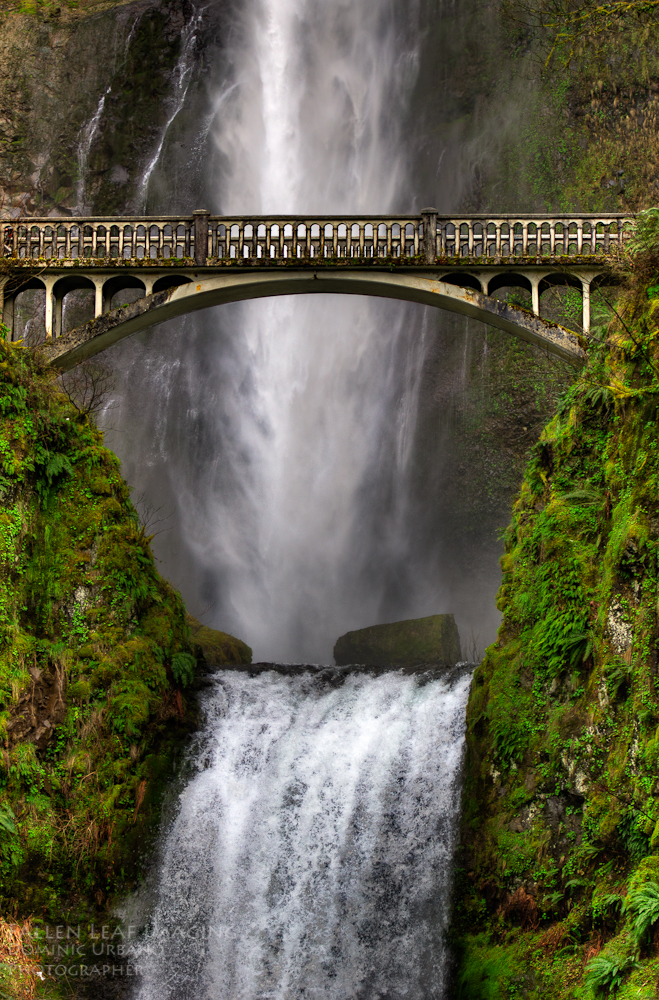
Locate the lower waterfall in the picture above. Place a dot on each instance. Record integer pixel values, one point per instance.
(310, 852)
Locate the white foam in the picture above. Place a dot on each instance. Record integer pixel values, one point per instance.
(311, 853)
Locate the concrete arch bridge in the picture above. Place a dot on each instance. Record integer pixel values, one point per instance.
(181, 264)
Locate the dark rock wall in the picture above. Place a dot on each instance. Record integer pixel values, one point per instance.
(53, 74)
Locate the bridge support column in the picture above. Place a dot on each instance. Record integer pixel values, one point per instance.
(57, 317)
(585, 315)
(535, 295)
(8, 315)
(98, 297)
(48, 319)
(429, 216)
(3, 282)
(201, 217)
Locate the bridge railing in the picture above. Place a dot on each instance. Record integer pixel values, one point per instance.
(205, 239)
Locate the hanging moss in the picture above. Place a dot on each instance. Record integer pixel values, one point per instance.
(561, 802)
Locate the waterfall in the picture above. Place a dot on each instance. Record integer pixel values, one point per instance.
(283, 430)
(85, 139)
(181, 77)
(310, 852)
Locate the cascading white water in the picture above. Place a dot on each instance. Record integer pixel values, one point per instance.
(310, 855)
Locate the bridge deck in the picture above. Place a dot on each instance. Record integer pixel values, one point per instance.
(203, 239)
(481, 253)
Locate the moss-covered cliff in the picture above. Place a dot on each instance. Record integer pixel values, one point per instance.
(560, 869)
(95, 656)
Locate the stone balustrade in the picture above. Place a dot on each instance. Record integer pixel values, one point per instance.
(203, 239)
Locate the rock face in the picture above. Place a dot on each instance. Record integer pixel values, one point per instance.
(84, 96)
(419, 640)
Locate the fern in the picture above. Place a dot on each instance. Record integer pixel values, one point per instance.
(632, 835)
(578, 647)
(605, 973)
(618, 676)
(645, 238)
(643, 906)
(57, 465)
(183, 668)
(7, 824)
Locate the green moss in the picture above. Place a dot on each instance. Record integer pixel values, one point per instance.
(218, 648)
(91, 710)
(433, 639)
(561, 799)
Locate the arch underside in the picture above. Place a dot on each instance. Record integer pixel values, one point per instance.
(86, 341)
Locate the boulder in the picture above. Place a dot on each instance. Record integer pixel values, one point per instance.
(434, 639)
(219, 648)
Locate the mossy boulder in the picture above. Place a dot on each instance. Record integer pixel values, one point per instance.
(219, 648)
(433, 639)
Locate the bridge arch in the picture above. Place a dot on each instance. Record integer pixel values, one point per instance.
(171, 281)
(120, 283)
(509, 279)
(233, 285)
(464, 280)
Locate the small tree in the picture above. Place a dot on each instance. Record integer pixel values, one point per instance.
(88, 386)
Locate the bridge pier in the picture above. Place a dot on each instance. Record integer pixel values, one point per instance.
(49, 282)
(6, 308)
(535, 295)
(3, 281)
(585, 307)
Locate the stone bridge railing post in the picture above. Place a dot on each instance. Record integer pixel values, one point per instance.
(429, 217)
(201, 217)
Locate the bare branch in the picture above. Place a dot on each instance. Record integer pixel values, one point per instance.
(88, 386)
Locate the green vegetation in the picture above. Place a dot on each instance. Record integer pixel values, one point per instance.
(559, 877)
(95, 657)
(589, 137)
